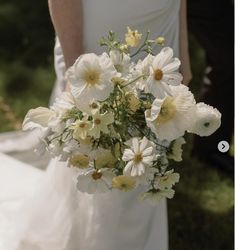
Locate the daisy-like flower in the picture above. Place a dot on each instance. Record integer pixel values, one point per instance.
(207, 120)
(124, 183)
(175, 151)
(95, 181)
(81, 128)
(121, 61)
(100, 123)
(154, 197)
(79, 160)
(171, 116)
(167, 180)
(163, 72)
(132, 37)
(139, 156)
(38, 118)
(90, 77)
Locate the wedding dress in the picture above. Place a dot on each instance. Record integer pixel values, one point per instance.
(43, 210)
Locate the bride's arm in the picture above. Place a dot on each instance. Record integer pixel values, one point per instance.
(66, 16)
(184, 54)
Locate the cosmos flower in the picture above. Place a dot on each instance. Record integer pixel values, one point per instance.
(139, 156)
(163, 72)
(90, 77)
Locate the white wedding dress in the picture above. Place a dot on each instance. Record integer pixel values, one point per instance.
(43, 210)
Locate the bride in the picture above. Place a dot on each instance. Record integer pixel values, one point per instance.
(44, 210)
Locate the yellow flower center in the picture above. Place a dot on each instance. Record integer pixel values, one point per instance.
(138, 158)
(158, 74)
(96, 175)
(97, 121)
(92, 77)
(167, 112)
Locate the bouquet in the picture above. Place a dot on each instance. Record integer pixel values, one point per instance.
(123, 120)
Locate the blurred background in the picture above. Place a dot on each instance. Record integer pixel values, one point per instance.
(201, 214)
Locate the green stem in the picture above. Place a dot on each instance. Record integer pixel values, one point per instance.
(136, 79)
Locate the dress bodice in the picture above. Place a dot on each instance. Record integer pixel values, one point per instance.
(161, 17)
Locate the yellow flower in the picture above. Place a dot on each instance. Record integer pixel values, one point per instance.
(133, 101)
(160, 40)
(118, 81)
(133, 37)
(123, 182)
(80, 161)
(105, 159)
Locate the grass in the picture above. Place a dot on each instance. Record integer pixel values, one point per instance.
(200, 215)
(23, 88)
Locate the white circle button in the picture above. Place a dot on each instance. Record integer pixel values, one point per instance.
(223, 146)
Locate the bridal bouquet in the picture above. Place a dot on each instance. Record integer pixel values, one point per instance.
(123, 121)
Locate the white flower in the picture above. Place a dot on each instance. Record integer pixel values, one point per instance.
(153, 197)
(95, 181)
(143, 68)
(38, 118)
(89, 108)
(100, 124)
(81, 128)
(166, 181)
(63, 103)
(163, 72)
(175, 151)
(90, 77)
(207, 120)
(121, 61)
(139, 156)
(171, 116)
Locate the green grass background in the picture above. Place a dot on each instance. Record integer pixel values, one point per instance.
(201, 214)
